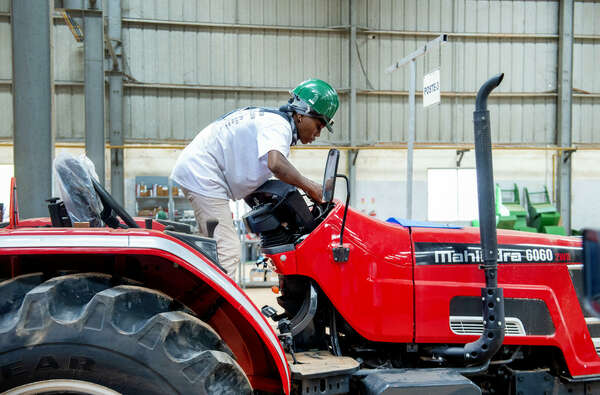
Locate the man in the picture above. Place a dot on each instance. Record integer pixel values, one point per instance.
(238, 152)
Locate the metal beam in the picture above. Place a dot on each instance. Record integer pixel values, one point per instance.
(117, 188)
(442, 38)
(33, 99)
(340, 91)
(93, 30)
(217, 88)
(564, 109)
(497, 95)
(466, 35)
(340, 29)
(134, 144)
(235, 26)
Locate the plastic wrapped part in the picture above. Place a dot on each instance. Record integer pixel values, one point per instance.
(76, 189)
(88, 165)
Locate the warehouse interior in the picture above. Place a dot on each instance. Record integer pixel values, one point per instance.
(169, 68)
(443, 238)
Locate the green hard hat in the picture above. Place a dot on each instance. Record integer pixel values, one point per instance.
(316, 98)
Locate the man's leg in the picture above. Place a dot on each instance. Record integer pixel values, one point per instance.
(228, 242)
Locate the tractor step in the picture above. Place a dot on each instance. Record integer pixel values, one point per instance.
(416, 382)
(320, 372)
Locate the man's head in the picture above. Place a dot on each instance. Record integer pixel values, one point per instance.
(314, 103)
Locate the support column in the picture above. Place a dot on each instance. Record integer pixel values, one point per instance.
(564, 109)
(94, 86)
(33, 100)
(352, 72)
(116, 101)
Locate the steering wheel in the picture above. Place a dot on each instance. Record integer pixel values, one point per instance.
(317, 209)
(108, 201)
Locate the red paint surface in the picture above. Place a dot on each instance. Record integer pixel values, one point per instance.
(385, 297)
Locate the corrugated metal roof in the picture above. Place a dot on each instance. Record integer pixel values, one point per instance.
(465, 63)
(214, 56)
(5, 50)
(587, 17)
(261, 12)
(586, 120)
(6, 112)
(180, 115)
(221, 49)
(68, 55)
(460, 15)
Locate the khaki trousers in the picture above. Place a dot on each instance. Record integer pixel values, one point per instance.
(228, 242)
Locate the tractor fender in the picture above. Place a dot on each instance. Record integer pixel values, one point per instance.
(142, 241)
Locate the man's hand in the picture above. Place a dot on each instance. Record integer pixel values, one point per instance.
(314, 191)
(286, 172)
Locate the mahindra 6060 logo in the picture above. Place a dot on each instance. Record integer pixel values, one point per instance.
(446, 253)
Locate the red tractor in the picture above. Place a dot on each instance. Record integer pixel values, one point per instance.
(371, 307)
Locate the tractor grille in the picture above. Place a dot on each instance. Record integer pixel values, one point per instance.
(596, 341)
(593, 324)
(467, 325)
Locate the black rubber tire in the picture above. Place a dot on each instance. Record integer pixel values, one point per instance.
(123, 337)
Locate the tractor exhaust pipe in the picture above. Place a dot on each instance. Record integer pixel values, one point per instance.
(484, 348)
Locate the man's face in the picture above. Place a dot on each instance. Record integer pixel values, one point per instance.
(309, 128)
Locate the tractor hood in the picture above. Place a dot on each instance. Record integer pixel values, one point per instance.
(434, 246)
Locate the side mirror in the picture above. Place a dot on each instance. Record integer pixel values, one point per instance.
(333, 158)
(591, 271)
(341, 252)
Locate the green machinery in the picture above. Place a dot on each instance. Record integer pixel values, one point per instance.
(539, 217)
(543, 216)
(510, 213)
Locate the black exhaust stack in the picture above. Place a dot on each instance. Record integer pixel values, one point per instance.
(484, 348)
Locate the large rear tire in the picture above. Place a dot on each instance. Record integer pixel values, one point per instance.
(129, 339)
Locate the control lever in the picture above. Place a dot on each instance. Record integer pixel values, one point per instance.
(285, 337)
(268, 311)
(285, 329)
(271, 313)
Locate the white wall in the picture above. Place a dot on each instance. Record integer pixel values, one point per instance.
(381, 175)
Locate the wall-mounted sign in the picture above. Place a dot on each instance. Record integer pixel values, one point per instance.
(431, 88)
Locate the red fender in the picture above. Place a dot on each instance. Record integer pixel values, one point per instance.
(26, 241)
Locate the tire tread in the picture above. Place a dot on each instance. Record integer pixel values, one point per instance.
(88, 308)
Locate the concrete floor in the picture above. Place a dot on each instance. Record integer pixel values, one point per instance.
(261, 296)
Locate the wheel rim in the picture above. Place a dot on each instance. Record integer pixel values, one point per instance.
(58, 386)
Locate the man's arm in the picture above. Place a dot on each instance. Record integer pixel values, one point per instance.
(286, 172)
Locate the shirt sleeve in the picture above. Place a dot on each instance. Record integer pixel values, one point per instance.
(273, 134)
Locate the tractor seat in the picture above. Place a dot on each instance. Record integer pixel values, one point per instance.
(76, 190)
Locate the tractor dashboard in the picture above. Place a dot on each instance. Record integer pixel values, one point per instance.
(280, 215)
